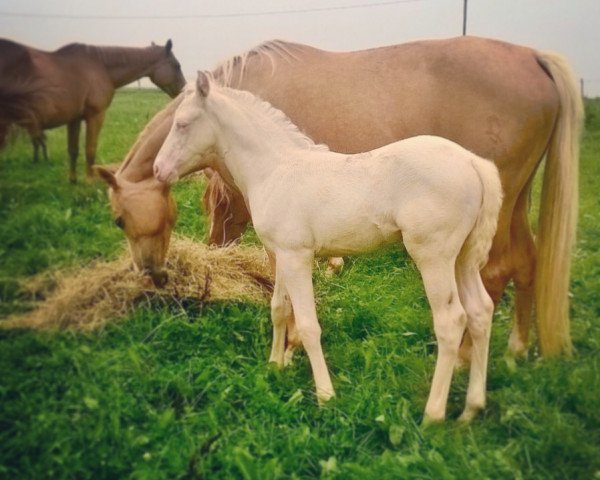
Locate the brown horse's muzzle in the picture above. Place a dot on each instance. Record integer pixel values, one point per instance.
(159, 277)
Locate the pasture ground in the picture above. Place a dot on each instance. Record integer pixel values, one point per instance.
(173, 394)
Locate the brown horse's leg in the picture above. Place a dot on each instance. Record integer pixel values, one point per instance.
(73, 129)
(92, 130)
(38, 141)
(523, 255)
(44, 147)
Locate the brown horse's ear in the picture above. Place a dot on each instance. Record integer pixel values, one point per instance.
(202, 84)
(108, 176)
(169, 46)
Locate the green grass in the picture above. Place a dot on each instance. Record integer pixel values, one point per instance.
(188, 394)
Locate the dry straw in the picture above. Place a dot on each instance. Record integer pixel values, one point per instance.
(90, 297)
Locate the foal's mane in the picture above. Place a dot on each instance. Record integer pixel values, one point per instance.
(251, 104)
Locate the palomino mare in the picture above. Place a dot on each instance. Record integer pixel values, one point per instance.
(41, 90)
(437, 198)
(505, 102)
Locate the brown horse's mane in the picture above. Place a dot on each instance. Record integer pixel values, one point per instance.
(107, 55)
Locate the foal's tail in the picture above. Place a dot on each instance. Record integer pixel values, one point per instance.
(558, 211)
(479, 242)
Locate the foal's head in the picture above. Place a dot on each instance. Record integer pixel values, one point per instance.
(166, 73)
(146, 213)
(192, 136)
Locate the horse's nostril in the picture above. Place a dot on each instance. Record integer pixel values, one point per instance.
(156, 171)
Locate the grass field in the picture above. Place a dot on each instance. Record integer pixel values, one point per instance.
(171, 394)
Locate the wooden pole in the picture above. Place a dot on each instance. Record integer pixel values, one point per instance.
(464, 31)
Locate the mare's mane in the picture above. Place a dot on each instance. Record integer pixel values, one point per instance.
(230, 73)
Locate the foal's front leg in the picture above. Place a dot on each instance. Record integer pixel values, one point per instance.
(281, 315)
(295, 269)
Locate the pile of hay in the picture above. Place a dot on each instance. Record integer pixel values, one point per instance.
(90, 297)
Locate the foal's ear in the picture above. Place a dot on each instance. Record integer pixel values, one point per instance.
(202, 84)
(106, 175)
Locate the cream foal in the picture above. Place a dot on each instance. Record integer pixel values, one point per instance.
(439, 199)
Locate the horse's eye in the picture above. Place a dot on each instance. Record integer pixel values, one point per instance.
(181, 125)
(119, 222)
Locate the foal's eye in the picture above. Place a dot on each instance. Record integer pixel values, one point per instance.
(181, 125)
(119, 222)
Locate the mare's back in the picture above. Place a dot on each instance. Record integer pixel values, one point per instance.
(479, 93)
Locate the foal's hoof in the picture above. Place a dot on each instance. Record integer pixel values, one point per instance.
(469, 414)
(324, 396)
(428, 420)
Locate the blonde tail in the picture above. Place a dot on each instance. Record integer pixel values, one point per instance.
(558, 212)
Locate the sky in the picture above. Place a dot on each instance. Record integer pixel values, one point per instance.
(206, 33)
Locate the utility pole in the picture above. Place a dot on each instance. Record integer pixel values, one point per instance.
(464, 17)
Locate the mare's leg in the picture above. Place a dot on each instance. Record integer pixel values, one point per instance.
(292, 341)
(479, 308)
(92, 130)
(295, 268)
(73, 129)
(523, 255)
(449, 318)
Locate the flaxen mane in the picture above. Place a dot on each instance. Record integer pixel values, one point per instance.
(231, 72)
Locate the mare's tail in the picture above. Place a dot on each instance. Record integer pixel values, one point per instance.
(558, 212)
(479, 242)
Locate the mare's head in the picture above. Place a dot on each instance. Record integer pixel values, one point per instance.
(166, 73)
(192, 137)
(146, 213)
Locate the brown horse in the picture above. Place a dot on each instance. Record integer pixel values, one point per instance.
(41, 90)
(505, 102)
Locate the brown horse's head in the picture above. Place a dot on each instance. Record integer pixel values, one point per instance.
(166, 73)
(146, 213)
(226, 209)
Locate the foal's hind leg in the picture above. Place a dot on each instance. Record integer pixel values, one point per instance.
(479, 308)
(449, 319)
